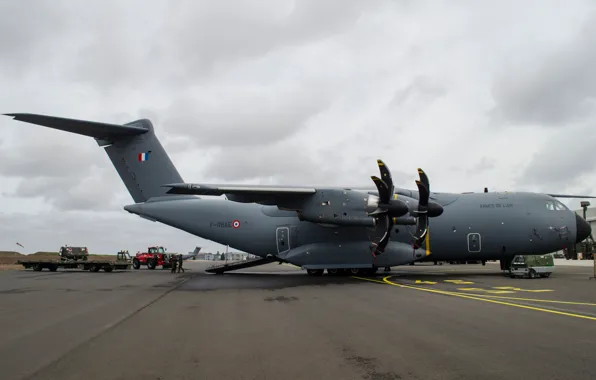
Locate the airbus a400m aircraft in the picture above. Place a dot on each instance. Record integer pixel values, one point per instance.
(341, 229)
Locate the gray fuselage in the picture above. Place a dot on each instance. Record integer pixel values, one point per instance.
(477, 226)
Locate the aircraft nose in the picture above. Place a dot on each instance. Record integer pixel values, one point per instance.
(583, 229)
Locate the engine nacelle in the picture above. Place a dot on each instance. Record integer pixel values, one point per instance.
(341, 207)
(433, 209)
(351, 208)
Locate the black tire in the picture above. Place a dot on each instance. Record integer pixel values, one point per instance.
(53, 268)
(136, 264)
(37, 267)
(531, 273)
(315, 272)
(355, 271)
(108, 269)
(95, 268)
(334, 271)
(151, 264)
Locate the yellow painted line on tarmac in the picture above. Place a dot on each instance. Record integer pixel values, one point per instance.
(523, 290)
(482, 298)
(485, 290)
(425, 282)
(538, 300)
(459, 282)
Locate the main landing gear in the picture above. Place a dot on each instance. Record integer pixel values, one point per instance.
(343, 272)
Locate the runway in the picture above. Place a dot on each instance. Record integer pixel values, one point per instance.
(275, 322)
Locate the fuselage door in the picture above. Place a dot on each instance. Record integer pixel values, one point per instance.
(474, 243)
(282, 236)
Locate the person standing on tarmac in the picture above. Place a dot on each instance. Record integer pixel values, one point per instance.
(180, 261)
(173, 263)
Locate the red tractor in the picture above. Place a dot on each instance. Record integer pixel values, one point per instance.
(154, 257)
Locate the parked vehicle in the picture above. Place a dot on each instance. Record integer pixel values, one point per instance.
(532, 266)
(122, 262)
(154, 257)
(73, 253)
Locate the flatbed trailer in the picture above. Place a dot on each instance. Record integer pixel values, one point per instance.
(122, 262)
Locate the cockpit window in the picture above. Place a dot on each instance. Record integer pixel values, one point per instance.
(555, 205)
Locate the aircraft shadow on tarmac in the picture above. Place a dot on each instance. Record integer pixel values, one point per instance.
(279, 280)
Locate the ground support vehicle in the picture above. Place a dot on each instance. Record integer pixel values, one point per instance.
(154, 257)
(73, 253)
(532, 266)
(122, 262)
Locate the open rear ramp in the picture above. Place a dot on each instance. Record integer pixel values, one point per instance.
(220, 269)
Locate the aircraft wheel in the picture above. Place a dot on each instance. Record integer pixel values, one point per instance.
(315, 272)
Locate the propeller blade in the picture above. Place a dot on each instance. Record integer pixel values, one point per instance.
(421, 231)
(384, 191)
(380, 246)
(424, 179)
(423, 195)
(386, 176)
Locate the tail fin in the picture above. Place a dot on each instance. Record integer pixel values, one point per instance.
(133, 148)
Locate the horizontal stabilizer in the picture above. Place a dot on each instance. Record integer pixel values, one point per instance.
(570, 196)
(101, 131)
(204, 189)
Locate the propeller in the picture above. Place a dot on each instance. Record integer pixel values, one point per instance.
(389, 207)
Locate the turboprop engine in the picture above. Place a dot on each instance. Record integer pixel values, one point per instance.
(346, 207)
(390, 207)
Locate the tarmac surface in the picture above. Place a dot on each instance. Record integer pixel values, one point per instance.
(275, 322)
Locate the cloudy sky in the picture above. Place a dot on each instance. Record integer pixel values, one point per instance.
(478, 93)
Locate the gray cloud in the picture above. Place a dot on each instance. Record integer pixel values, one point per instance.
(294, 164)
(562, 161)
(552, 90)
(32, 159)
(90, 192)
(421, 90)
(208, 33)
(237, 116)
(280, 92)
(484, 164)
(25, 29)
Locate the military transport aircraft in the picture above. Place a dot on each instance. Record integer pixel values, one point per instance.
(340, 229)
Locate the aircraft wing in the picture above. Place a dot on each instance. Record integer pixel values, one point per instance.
(266, 195)
(258, 190)
(570, 196)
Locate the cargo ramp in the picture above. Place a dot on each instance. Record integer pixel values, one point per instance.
(222, 268)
